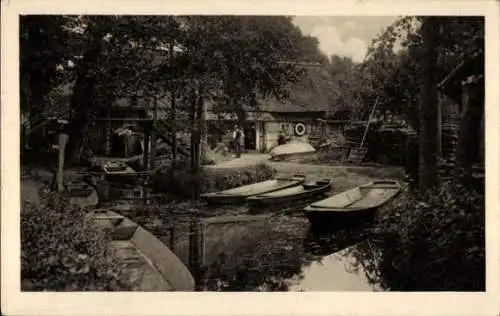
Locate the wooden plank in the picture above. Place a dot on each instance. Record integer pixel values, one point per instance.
(63, 140)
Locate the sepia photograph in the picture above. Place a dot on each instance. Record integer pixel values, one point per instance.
(251, 153)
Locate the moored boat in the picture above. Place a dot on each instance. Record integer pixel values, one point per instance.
(239, 194)
(354, 205)
(149, 264)
(295, 193)
(295, 149)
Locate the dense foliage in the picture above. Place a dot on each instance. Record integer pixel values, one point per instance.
(234, 60)
(62, 251)
(392, 68)
(434, 241)
(178, 179)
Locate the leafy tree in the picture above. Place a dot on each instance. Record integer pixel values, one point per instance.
(309, 47)
(231, 59)
(43, 48)
(120, 60)
(396, 76)
(238, 59)
(347, 85)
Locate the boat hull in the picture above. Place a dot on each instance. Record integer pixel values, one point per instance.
(224, 200)
(275, 198)
(149, 264)
(322, 220)
(352, 207)
(240, 194)
(282, 152)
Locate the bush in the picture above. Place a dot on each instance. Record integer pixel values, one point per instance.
(177, 178)
(435, 240)
(61, 250)
(386, 144)
(328, 155)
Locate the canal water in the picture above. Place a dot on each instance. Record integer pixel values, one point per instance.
(238, 249)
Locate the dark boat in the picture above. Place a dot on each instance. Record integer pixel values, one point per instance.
(149, 264)
(352, 206)
(296, 193)
(239, 194)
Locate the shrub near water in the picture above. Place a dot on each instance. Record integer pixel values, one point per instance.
(178, 179)
(61, 250)
(436, 240)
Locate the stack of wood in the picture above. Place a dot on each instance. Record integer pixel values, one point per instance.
(449, 136)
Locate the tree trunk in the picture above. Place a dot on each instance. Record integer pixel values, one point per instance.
(428, 140)
(469, 131)
(195, 140)
(81, 100)
(203, 123)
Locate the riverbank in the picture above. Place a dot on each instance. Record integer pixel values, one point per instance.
(238, 251)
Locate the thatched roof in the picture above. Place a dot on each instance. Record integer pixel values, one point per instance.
(310, 94)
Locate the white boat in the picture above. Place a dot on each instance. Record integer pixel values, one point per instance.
(291, 149)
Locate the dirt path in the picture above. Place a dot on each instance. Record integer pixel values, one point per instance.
(243, 161)
(343, 176)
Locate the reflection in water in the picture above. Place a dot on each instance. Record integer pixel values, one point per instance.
(276, 253)
(340, 271)
(323, 243)
(291, 257)
(262, 264)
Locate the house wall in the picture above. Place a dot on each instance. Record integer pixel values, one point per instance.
(272, 130)
(289, 121)
(98, 136)
(268, 126)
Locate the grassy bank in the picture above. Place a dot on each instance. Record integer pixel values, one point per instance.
(177, 178)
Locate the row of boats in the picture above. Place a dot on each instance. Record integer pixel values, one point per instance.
(361, 200)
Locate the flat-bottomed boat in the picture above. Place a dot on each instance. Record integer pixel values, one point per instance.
(239, 194)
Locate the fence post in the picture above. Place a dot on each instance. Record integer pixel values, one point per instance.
(63, 140)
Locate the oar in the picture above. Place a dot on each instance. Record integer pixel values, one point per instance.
(368, 124)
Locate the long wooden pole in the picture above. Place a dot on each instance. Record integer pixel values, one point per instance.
(147, 140)
(63, 140)
(173, 105)
(368, 124)
(195, 140)
(153, 135)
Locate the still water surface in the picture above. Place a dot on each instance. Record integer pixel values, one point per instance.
(275, 250)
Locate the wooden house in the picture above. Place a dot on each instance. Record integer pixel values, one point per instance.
(465, 86)
(300, 117)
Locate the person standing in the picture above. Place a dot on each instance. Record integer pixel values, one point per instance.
(237, 140)
(282, 136)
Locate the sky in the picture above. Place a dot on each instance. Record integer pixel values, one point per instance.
(346, 36)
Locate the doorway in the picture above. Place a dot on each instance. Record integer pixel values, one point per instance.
(249, 131)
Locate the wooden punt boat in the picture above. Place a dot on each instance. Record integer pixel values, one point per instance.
(239, 194)
(352, 205)
(149, 264)
(296, 193)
